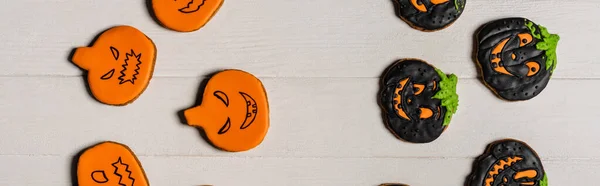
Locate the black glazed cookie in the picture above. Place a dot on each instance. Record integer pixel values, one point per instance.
(418, 100)
(429, 15)
(516, 57)
(508, 163)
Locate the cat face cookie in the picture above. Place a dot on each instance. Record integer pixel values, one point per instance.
(516, 57)
(418, 100)
(429, 15)
(508, 163)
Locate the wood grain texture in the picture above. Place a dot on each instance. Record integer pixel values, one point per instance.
(285, 38)
(320, 62)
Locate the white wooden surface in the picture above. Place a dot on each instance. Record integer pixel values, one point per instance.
(320, 61)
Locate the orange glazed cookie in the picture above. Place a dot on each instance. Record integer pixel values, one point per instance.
(110, 164)
(234, 111)
(185, 15)
(119, 64)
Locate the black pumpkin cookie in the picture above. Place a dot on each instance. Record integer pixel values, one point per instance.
(429, 15)
(516, 57)
(508, 163)
(418, 100)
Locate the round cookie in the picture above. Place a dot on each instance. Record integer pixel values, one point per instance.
(119, 65)
(507, 163)
(429, 15)
(516, 57)
(417, 100)
(234, 111)
(185, 15)
(110, 163)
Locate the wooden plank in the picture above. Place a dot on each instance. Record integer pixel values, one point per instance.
(274, 38)
(42, 170)
(311, 117)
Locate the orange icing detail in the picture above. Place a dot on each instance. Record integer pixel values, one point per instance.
(421, 7)
(234, 111)
(398, 99)
(525, 37)
(185, 15)
(436, 2)
(497, 50)
(513, 56)
(499, 167)
(526, 174)
(434, 85)
(426, 113)
(534, 68)
(110, 164)
(120, 64)
(528, 183)
(419, 87)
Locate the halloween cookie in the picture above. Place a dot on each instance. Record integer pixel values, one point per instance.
(185, 15)
(119, 65)
(234, 111)
(110, 164)
(507, 163)
(429, 15)
(516, 57)
(418, 100)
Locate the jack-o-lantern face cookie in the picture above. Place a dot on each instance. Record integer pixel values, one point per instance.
(508, 163)
(418, 100)
(185, 15)
(119, 64)
(234, 111)
(110, 164)
(429, 15)
(516, 57)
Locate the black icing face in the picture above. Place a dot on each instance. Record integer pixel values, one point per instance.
(509, 60)
(429, 14)
(508, 163)
(406, 98)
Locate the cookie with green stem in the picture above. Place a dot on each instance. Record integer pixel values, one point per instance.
(516, 57)
(418, 100)
(508, 163)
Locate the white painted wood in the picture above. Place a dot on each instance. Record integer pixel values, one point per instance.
(287, 38)
(320, 62)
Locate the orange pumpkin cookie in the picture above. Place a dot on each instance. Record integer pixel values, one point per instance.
(234, 112)
(110, 164)
(185, 15)
(120, 64)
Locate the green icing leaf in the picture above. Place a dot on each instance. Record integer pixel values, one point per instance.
(548, 44)
(447, 94)
(544, 181)
(457, 5)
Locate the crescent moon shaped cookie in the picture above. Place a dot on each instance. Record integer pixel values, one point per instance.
(234, 112)
(508, 162)
(119, 65)
(185, 15)
(418, 100)
(516, 57)
(110, 164)
(429, 15)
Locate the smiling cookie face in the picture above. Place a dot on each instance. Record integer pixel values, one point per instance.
(119, 64)
(516, 57)
(185, 15)
(509, 163)
(412, 97)
(429, 15)
(234, 111)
